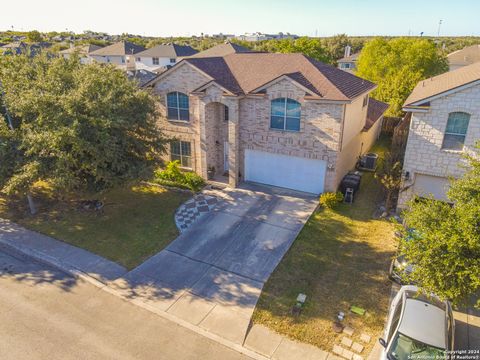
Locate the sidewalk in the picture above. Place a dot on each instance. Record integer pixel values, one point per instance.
(58, 254)
(259, 343)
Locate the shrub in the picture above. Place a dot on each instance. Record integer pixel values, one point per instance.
(172, 172)
(331, 199)
(173, 176)
(194, 181)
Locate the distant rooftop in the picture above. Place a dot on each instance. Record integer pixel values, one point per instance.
(168, 51)
(224, 49)
(120, 48)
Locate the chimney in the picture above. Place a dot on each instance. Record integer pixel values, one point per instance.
(348, 50)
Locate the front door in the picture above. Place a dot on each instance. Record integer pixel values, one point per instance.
(225, 156)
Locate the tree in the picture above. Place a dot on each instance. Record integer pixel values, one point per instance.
(308, 46)
(446, 248)
(397, 65)
(335, 45)
(34, 36)
(77, 126)
(390, 177)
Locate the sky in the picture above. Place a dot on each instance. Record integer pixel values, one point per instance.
(190, 17)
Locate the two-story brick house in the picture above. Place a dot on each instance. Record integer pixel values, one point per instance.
(445, 124)
(279, 119)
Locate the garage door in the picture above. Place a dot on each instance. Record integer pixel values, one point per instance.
(426, 185)
(285, 171)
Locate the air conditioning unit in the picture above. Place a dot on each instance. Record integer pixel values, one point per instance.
(367, 162)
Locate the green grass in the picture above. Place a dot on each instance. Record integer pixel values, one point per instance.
(340, 259)
(136, 222)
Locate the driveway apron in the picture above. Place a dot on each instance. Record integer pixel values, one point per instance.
(213, 273)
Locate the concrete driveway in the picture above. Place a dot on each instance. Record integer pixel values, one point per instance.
(213, 273)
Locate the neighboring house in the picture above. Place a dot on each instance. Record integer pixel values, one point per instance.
(141, 76)
(161, 56)
(82, 51)
(444, 125)
(17, 48)
(224, 49)
(13, 48)
(121, 54)
(279, 119)
(464, 57)
(349, 61)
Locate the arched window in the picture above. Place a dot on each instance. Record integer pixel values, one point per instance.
(285, 114)
(177, 105)
(456, 131)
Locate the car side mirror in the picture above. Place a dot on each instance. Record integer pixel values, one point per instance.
(382, 342)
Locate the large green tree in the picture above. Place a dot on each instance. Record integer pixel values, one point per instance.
(34, 36)
(446, 248)
(75, 126)
(397, 65)
(311, 47)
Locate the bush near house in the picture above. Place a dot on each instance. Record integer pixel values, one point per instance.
(173, 176)
(330, 200)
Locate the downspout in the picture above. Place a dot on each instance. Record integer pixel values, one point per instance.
(343, 127)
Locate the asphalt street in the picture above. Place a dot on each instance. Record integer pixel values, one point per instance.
(46, 314)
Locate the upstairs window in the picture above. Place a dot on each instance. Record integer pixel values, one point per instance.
(456, 131)
(173, 61)
(225, 113)
(177, 106)
(365, 101)
(285, 114)
(155, 61)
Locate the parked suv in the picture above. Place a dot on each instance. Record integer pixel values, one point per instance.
(418, 327)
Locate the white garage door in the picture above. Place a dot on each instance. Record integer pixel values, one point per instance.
(426, 185)
(285, 171)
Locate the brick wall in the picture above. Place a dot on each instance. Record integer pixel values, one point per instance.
(424, 153)
(319, 136)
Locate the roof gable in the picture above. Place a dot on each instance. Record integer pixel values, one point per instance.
(443, 84)
(296, 79)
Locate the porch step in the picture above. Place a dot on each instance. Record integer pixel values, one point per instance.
(212, 184)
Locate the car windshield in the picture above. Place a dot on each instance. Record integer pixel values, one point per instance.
(405, 348)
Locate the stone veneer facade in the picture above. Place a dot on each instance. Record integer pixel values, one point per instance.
(320, 136)
(424, 154)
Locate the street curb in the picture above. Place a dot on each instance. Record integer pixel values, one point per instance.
(50, 261)
(76, 273)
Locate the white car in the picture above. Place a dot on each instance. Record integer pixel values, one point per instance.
(418, 327)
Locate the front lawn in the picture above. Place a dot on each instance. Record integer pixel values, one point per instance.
(136, 222)
(340, 259)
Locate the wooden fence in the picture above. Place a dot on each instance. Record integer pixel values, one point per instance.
(389, 124)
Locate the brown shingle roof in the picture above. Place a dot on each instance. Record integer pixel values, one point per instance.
(444, 82)
(375, 111)
(224, 49)
(245, 72)
(465, 56)
(120, 48)
(82, 50)
(168, 50)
